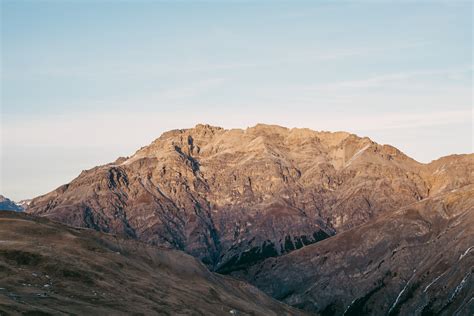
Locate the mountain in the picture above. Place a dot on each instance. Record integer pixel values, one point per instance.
(8, 205)
(418, 260)
(50, 269)
(235, 197)
(303, 215)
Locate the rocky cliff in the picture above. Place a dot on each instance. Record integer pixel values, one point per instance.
(233, 198)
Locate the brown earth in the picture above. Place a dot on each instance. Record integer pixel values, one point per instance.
(47, 268)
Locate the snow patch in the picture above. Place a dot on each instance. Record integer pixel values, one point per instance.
(459, 287)
(401, 292)
(465, 252)
(349, 306)
(433, 282)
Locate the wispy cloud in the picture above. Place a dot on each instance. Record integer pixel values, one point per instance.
(381, 80)
(157, 68)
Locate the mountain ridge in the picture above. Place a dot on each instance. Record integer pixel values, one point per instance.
(201, 181)
(252, 203)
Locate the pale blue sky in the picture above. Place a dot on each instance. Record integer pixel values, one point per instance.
(84, 82)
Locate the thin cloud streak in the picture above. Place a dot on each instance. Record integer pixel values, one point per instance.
(150, 69)
(380, 80)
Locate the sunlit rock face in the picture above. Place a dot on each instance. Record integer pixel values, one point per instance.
(233, 198)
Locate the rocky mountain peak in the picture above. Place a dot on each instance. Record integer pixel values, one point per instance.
(235, 197)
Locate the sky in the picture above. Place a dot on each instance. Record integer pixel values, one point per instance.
(85, 82)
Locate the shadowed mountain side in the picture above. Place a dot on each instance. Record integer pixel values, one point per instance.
(48, 268)
(8, 205)
(417, 260)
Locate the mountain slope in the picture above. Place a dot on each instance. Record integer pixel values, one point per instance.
(235, 197)
(418, 260)
(49, 269)
(8, 205)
